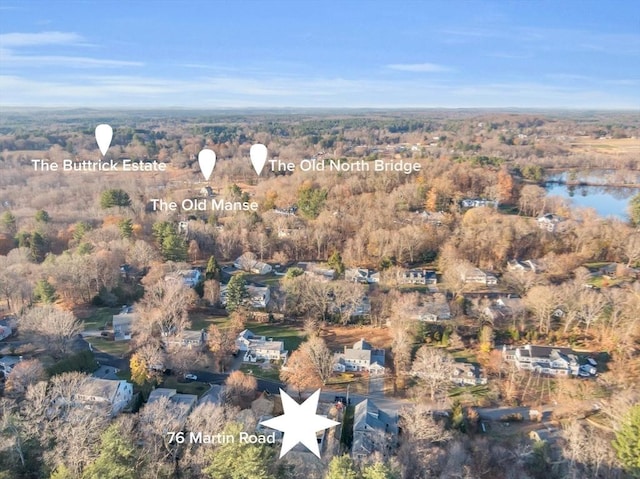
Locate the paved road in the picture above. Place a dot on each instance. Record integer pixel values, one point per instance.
(272, 387)
(494, 414)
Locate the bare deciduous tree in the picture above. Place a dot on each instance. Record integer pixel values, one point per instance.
(542, 301)
(240, 388)
(435, 368)
(321, 358)
(52, 326)
(24, 374)
(299, 373)
(164, 309)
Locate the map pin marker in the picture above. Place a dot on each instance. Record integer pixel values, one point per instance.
(207, 161)
(258, 154)
(104, 134)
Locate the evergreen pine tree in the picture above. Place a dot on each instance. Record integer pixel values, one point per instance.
(117, 457)
(44, 291)
(236, 292)
(213, 269)
(627, 442)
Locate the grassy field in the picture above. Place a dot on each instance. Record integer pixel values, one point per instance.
(608, 145)
(96, 318)
(201, 320)
(291, 335)
(117, 348)
(337, 337)
(465, 356)
(479, 391)
(272, 373)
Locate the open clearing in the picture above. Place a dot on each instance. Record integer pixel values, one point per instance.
(337, 337)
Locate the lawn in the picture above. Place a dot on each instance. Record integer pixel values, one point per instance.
(117, 348)
(201, 320)
(479, 391)
(272, 373)
(291, 335)
(190, 387)
(94, 319)
(465, 356)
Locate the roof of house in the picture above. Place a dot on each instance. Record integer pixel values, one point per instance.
(357, 354)
(533, 351)
(10, 360)
(266, 344)
(362, 344)
(464, 368)
(106, 372)
(101, 388)
(158, 393)
(246, 334)
(123, 319)
(368, 416)
(173, 395)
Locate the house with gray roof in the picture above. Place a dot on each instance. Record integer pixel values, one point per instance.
(361, 357)
(255, 347)
(362, 276)
(181, 404)
(418, 276)
(374, 430)
(187, 338)
(123, 323)
(114, 395)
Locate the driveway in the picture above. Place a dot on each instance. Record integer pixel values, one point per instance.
(376, 387)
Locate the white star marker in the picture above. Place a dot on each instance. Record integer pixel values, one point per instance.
(300, 423)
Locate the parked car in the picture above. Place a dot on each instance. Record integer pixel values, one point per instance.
(191, 377)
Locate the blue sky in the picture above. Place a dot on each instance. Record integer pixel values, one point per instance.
(306, 53)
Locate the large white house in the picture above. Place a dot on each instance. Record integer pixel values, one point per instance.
(361, 357)
(550, 222)
(467, 374)
(474, 275)
(552, 360)
(417, 276)
(254, 347)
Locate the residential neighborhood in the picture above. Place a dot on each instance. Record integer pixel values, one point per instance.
(454, 320)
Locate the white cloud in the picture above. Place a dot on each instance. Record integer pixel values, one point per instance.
(419, 67)
(8, 40)
(8, 59)
(117, 91)
(11, 43)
